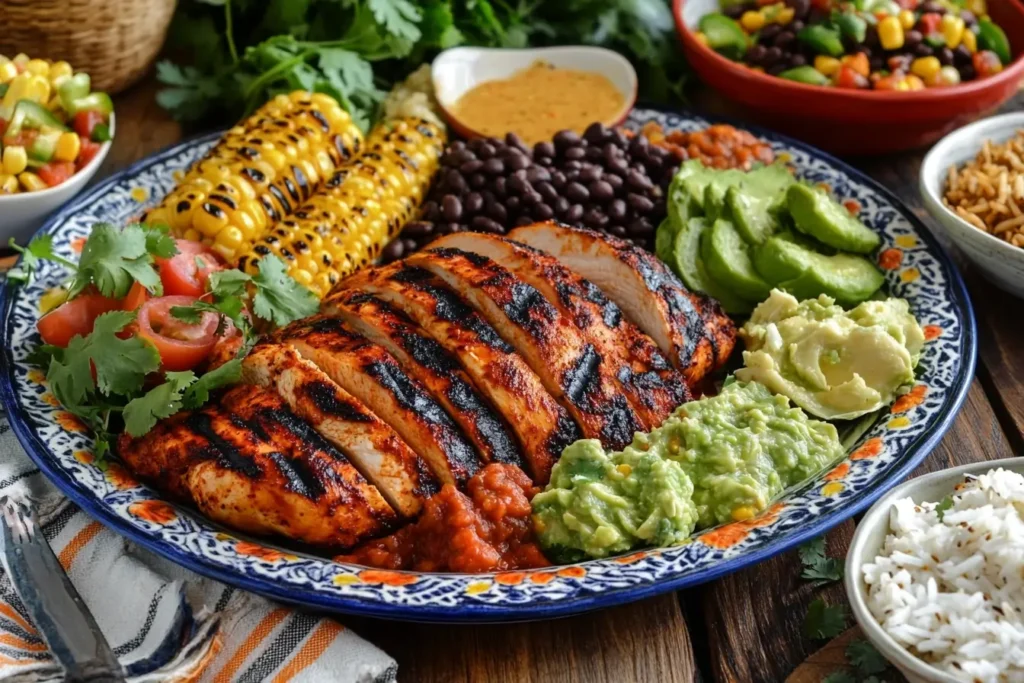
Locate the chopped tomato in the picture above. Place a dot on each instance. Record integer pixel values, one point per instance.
(848, 78)
(986, 63)
(23, 139)
(56, 172)
(74, 318)
(89, 149)
(137, 296)
(182, 346)
(928, 24)
(187, 272)
(85, 121)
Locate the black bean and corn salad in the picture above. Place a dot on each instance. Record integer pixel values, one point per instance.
(864, 44)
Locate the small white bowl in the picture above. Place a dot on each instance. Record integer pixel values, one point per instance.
(868, 541)
(21, 214)
(458, 70)
(1000, 262)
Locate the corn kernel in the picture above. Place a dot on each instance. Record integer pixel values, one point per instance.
(914, 83)
(624, 469)
(700, 38)
(68, 146)
(969, 40)
(948, 75)
(978, 7)
(15, 160)
(37, 89)
(952, 30)
(8, 71)
(925, 67)
(38, 67)
(59, 69)
(827, 65)
(21, 59)
(785, 16)
(890, 33)
(743, 513)
(907, 19)
(752, 21)
(31, 182)
(8, 184)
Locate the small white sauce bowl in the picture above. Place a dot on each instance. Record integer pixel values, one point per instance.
(868, 541)
(1000, 262)
(23, 213)
(458, 70)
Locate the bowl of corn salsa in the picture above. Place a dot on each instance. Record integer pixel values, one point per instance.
(858, 76)
(54, 133)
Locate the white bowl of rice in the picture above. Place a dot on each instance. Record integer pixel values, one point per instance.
(983, 163)
(935, 575)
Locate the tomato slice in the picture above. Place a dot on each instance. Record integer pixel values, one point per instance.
(182, 346)
(187, 272)
(137, 296)
(73, 318)
(56, 172)
(85, 121)
(89, 149)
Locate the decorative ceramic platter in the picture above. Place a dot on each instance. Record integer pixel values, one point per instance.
(915, 267)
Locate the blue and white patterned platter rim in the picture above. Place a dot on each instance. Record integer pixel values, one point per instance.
(918, 270)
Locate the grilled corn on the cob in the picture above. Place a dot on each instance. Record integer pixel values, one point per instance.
(363, 205)
(259, 172)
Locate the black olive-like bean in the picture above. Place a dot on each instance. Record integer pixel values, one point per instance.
(659, 207)
(561, 205)
(485, 224)
(431, 211)
(776, 68)
(513, 204)
(498, 213)
(574, 214)
(638, 143)
(572, 175)
(601, 191)
(471, 167)
(590, 173)
(618, 230)
(577, 192)
(517, 184)
(513, 140)
(612, 150)
(572, 165)
(638, 181)
(477, 180)
(485, 151)
(498, 187)
(755, 55)
(945, 56)
(797, 60)
(393, 251)
(546, 162)
(449, 228)
(618, 166)
(961, 55)
(418, 228)
(494, 166)
(457, 146)
(523, 220)
(595, 218)
(772, 55)
(577, 153)
(639, 203)
(932, 6)
(566, 138)
(911, 39)
(456, 182)
(516, 162)
(967, 72)
(768, 33)
(558, 179)
(451, 208)
(543, 212)
(796, 25)
(473, 203)
(734, 11)
(924, 50)
(536, 174)
(594, 153)
(617, 210)
(547, 191)
(462, 156)
(784, 40)
(531, 198)
(543, 149)
(800, 7)
(641, 227)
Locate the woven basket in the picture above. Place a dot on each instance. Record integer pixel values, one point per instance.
(114, 41)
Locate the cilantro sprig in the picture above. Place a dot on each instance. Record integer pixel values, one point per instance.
(818, 567)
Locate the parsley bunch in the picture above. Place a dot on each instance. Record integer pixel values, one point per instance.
(236, 54)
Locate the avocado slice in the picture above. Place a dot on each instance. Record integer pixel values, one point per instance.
(689, 265)
(728, 261)
(665, 239)
(785, 262)
(818, 215)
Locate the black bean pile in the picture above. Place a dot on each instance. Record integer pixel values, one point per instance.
(777, 48)
(604, 180)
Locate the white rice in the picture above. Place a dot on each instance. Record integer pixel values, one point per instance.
(952, 591)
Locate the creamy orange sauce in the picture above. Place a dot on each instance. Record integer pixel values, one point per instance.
(538, 101)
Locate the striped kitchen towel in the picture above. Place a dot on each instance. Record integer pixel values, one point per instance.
(163, 622)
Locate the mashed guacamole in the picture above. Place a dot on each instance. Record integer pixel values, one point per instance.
(719, 459)
(832, 363)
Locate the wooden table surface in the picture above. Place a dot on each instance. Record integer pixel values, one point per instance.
(745, 627)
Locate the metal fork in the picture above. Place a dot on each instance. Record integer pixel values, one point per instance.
(57, 609)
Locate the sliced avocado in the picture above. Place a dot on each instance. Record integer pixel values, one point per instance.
(665, 239)
(714, 193)
(779, 259)
(823, 218)
(752, 214)
(786, 262)
(728, 261)
(689, 265)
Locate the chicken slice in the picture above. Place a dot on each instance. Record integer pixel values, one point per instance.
(691, 329)
(571, 368)
(370, 444)
(653, 387)
(371, 374)
(240, 476)
(436, 369)
(541, 425)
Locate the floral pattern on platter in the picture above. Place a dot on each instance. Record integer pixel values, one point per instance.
(884, 455)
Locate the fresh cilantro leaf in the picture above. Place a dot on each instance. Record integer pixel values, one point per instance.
(114, 260)
(121, 365)
(227, 283)
(38, 250)
(279, 298)
(159, 242)
(839, 677)
(70, 378)
(225, 375)
(817, 567)
(193, 313)
(399, 17)
(164, 400)
(866, 658)
(945, 504)
(824, 621)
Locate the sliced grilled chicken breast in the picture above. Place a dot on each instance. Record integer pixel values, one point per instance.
(371, 374)
(650, 383)
(238, 474)
(430, 364)
(691, 329)
(372, 446)
(542, 426)
(571, 369)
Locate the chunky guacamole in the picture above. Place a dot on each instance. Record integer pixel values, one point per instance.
(719, 459)
(835, 364)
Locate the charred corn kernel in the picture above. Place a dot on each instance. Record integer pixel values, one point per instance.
(8, 184)
(8, 70)
(52, 298)
(743, 513)
(969, 40)
(752, 21)
(952, 28)
(948, 75)
(624, 469)
(914, 82)
(31, 182)
(907, 19)
(827, 65)
(359, 209)
(14, 160)
(59, 69)
(785, 15)
(21, 59)
(40, 67)
(68, 146)
(700, 38)
(925, 67)
(890, 33)
(260, 172)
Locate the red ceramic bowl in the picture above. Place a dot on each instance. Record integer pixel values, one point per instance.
(858, 121)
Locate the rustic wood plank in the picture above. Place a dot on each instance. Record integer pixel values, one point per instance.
(754, 618)
(1001, 363)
